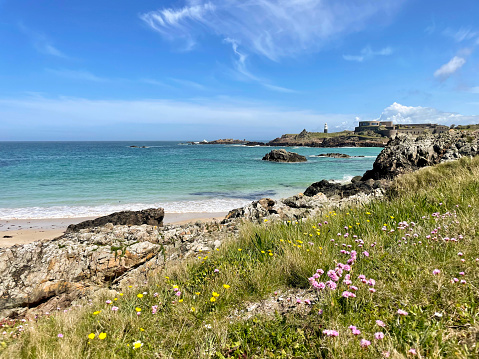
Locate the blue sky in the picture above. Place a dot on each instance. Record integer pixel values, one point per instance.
(255, 69)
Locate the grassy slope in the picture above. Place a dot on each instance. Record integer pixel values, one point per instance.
(441, 320)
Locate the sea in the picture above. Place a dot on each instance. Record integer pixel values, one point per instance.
(85, 179)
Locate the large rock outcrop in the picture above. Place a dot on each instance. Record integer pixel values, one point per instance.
(283, 156)
(406, 154)
(150, 216)
(42, 276)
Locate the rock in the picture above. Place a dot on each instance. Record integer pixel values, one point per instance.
(331, 189)
(356, 179)
(334, 155)
(151, 216)
(283, 156)
(41, 276)
(254, 143)
(406, 154)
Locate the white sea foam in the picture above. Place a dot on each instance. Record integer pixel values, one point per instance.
(344, 180)
(201, 206)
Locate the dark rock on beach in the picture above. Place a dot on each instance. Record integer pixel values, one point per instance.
(283, 156)
(151, 216)
(406, 154)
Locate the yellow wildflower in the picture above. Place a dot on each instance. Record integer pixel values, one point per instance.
(139, 295)
(215, 294)
(226, 286)
(138, 309)
(91, 336)
(212, 299)
(102, 336)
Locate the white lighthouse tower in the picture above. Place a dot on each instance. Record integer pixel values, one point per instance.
(325, 128)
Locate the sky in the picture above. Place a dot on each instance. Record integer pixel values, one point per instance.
(246, 69)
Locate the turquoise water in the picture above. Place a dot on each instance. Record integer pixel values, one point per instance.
(76, 179)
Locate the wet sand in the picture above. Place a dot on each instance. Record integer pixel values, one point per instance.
(22, 231)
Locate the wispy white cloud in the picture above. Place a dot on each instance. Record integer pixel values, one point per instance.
(41, 43)
(401, 114)
(367, 53)
(189, 83)
(279, 88)
(179, 23)
(449, 68)
(270, 28)
(245, 74)
(461, 34)
(77, 75)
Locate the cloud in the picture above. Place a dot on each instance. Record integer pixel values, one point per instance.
(400, 114)
(451, 67)
(189, 83)
(178, 23)
(279, 88)
(80, 118)
(270, 28)
(367, 53)
(41, 43)
(474, 89)
(245, 74)
(461, 34)
(77, 75)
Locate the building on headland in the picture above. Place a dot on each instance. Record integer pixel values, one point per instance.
(387, 128)
(325, 128)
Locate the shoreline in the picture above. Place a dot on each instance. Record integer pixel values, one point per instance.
(23, 231)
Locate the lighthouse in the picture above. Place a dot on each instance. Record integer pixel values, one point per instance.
(325, 128)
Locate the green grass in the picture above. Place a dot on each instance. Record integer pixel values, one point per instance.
(442, 316)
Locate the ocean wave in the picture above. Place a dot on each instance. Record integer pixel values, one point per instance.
(200, 206)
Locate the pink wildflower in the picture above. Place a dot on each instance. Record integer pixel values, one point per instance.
(412, 351)
(216, 270)
(365, 343)
(372, 290)
(60, 335)
(330, 333)
(114, 308)
(402, 312)
(366, 253)
(436, 271)
(354, 330)
(331, 284)
(379, 335)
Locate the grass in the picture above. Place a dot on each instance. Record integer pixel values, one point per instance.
(428, 221)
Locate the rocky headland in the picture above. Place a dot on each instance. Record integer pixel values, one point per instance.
(42, 276)
(316, 139)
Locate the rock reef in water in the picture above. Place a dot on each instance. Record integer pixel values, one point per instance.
(334, 155)
(406, 154)
(283, 156)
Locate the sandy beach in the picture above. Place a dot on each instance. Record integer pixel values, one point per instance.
(22, 231)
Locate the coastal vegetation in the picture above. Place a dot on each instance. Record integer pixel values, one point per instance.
(394, 278)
